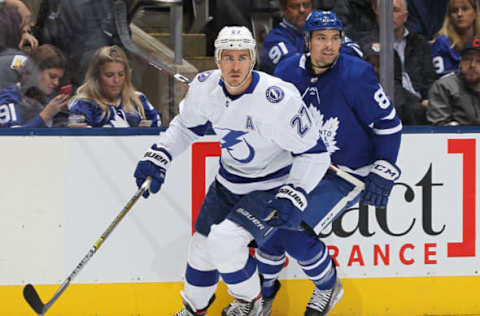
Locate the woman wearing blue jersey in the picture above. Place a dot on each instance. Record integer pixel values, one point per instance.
(461, 23)
(362, 132)
(29, 102)
(107, 98)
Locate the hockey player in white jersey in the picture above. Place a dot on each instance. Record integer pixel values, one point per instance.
(271, 154)
(362, 132)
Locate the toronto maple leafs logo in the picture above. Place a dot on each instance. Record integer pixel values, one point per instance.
(328, 129)
(237, 146)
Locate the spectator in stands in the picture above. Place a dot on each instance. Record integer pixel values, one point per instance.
(107, 98)
(78, 28)
(26, 22)
(425, 17)
(406, 104)
(414, 59)
(287, 38)
(461, 23)
(455, 98)
(14, 17)
(30, 102)
(360, 18)
(11, 59)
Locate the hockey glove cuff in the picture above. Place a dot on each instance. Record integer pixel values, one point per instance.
(379, 183)
(154, 164)
(286, 209)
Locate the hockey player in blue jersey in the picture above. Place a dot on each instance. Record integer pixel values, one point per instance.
(362, 133)
(272, 155)
(286, 39)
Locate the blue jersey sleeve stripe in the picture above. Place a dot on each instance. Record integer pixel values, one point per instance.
(317, 149)
(239, 179)
(241, 275)
(200, 130)
(201, 278)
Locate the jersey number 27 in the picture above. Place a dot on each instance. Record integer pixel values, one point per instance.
(301, 121)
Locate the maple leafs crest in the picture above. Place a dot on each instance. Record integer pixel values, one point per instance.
(328, 129)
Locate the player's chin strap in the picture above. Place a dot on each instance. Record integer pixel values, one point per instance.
(237, 87)
(311, 66)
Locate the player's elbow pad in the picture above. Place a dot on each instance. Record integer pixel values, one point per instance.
(308, 169)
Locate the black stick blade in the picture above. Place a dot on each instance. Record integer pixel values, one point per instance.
(32, 298)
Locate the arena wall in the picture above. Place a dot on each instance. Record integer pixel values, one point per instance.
(59, 190)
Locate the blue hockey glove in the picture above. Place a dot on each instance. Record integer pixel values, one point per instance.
(153, 164)
(286, 209)
(379, 183)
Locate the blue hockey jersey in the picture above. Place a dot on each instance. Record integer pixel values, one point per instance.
(17, 110)
(93, 115)
(358, 122)
(285, 40)
(445, 58)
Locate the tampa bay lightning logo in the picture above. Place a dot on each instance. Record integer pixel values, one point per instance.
(237, 146)
(274, 94)
(204, 76)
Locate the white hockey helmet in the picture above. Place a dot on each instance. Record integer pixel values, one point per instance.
(234, 37)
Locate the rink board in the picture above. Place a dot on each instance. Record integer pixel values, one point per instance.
(58, 193)
(372, 297)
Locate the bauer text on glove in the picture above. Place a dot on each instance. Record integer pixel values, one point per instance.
(287, 207)
(154, 164)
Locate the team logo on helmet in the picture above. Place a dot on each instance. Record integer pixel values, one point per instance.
(204, 76)
(274, 94)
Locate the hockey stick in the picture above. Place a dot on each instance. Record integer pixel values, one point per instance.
(29, 292)
(121, 24)
(359, 186)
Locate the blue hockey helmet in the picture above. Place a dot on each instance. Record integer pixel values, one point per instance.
(321, 20)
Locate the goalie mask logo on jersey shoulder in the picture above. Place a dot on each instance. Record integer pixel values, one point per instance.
(274, 94)
(204, 75)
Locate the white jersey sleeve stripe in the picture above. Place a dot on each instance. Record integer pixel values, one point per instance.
(388, 131)
(390, 116)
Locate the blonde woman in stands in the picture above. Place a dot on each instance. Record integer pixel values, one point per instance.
(107, 98)
(462, 22)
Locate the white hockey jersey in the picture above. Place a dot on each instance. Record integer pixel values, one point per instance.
(267, 135)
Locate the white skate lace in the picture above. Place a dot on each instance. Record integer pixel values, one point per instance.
(183, 312)
(239, 308)
(320, 299)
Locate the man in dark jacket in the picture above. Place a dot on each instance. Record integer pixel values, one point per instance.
(78, 28)
(455, 98)
(415, 58)
(359, 18)
(426, 17)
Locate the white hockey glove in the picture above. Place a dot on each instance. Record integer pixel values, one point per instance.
(154, 164)
(379, 183)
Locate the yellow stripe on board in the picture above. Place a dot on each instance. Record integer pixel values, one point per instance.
(370, 297)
